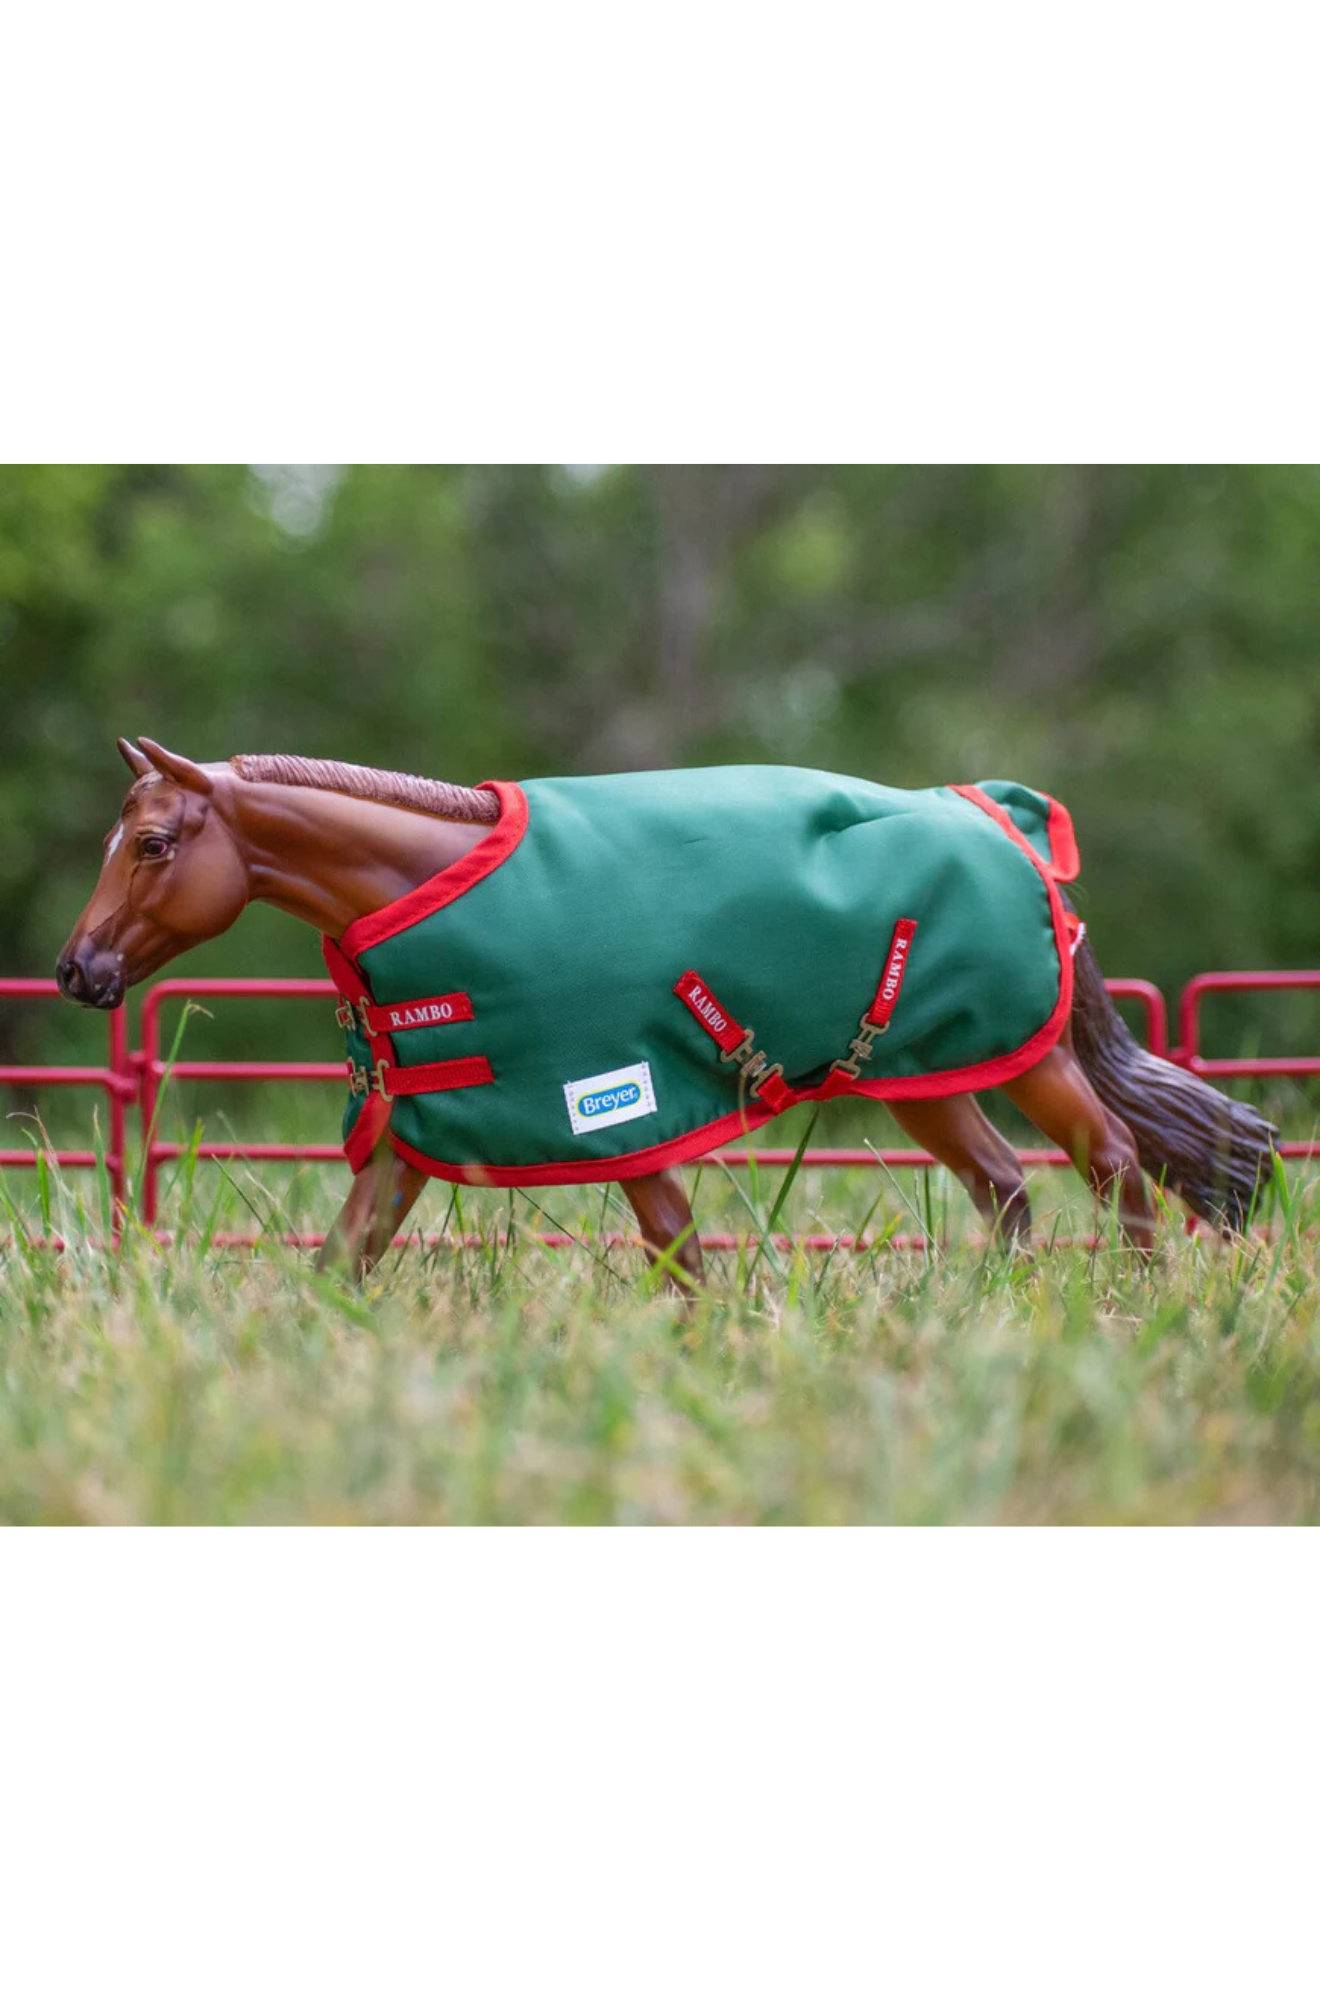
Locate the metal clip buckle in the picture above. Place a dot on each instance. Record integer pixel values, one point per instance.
(354, 1015)
(755, 1070)
(861, 1049)
(361, 1082)
(741, 1051)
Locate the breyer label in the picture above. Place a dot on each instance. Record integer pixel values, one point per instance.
(610, 1098)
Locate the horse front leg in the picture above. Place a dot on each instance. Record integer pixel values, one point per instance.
(664, 1215)
(378, 1202)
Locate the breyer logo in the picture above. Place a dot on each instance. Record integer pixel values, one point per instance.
(610, 1098)
(593, 1103)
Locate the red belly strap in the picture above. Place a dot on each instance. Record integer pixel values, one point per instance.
(406, 1081)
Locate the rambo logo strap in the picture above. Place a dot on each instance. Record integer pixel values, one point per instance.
(877, 1018)
(714, 1018)
(737, 1045)
(387, 1018)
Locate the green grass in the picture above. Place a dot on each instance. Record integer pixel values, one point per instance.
(516, 1384)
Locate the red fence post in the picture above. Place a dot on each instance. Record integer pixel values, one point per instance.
(120, 1095)
(115, 1077)
(1152, 1002)
(148, 1095)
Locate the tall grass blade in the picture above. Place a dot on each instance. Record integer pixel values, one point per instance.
(790, 1176)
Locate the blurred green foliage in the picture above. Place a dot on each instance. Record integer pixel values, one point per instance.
(1142, 642)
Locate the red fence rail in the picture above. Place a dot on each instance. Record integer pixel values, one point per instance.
(135, 1078)
(152, 1068)
(115, 1077)
(1188, 1052)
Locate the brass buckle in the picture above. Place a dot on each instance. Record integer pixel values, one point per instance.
(361, 1082)
(741, 1051)
(755, 1069)
(353, 1015)
(861, 1049)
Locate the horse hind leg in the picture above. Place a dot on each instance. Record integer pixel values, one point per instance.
(1056, 1095)
(959, 1135)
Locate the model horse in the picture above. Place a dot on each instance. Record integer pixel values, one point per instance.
(639, 923)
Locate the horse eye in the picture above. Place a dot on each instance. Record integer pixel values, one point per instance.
(155, 846)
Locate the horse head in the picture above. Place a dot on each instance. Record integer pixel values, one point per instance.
(172, 876)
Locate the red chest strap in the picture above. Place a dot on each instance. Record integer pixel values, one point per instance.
(408, 1081)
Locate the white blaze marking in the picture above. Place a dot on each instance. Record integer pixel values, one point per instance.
(115, 842)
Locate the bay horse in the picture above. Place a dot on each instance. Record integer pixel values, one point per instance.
(333, 844)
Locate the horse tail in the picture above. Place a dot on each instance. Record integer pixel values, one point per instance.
(1213, 1152)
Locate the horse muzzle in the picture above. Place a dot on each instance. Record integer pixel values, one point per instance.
(91, 978)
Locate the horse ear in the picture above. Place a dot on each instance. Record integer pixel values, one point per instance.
(184, 773)
(138, 762)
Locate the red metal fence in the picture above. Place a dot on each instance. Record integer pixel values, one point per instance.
(116, 1077)
(135, 1077)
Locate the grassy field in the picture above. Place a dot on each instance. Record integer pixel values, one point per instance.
(515, 1384)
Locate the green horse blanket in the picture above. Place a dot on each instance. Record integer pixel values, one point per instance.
(630, 970)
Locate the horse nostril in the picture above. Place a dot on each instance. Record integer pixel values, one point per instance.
(70, 978)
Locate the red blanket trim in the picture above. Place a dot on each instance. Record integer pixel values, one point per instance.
(450, 883)
(369, 1129)
(1065, 863)
(649, 1161)
(372, 1123)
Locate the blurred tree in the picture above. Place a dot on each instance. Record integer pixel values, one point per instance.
(1143, 641)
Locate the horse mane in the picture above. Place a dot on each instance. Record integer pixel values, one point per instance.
(372, 784)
